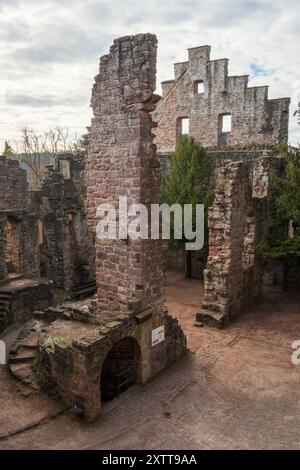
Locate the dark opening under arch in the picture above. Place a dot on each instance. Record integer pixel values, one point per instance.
(120, 369)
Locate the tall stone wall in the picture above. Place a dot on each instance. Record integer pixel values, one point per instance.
(130, 273)
(13, 186)
(18, 248)
(122, 162)
(238, 219)
(255, 118)
(67, 249)
(44, 232)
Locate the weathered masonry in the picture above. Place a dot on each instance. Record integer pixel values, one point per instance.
(67, 254)
(241, 128)
(18, 231)
(240, 215)
(43, 237)
(122, 162)
(91, 351)
(19, 249)
(217, 109)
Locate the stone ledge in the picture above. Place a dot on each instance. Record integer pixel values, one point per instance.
(215, 319)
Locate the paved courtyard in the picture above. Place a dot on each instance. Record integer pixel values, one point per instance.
(236, 389)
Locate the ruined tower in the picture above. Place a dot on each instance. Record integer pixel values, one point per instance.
(125, 335)
(122, 162)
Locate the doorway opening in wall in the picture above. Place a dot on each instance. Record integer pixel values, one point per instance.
(225, 127)
(121, 369)
(13, 249)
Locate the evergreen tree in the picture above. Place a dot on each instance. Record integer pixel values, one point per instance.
(189, 182)
(282, 243)
(8, 151)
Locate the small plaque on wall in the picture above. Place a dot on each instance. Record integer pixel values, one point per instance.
(158, 335)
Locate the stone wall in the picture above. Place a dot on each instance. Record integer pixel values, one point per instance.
(176, 261)
(18, 248)
(67, 249)
(44, 232)
(13, 186)
(130, 273)
(72, 353)
(255, 118)
(239, 217)
(3, 267)
(122, 162)
(19, 300)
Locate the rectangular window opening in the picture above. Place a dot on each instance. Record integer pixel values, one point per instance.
(65, 169)
(199, 87)
(185, 126)
(226, 123)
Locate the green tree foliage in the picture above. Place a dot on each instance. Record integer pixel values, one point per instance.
(189, 182)
(283, 242)
(287, 187)
(8, 151)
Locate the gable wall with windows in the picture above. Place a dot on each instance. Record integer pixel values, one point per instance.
(203, 91)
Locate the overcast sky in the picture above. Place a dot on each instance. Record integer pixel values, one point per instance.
(50, 50)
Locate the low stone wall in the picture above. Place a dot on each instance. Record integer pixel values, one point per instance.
(72, 353)
(21, 302)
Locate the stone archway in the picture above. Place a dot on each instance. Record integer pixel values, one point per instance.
(121, 368)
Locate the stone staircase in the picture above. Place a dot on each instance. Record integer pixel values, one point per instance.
(23, 353)
(5, 299)
(84, 290)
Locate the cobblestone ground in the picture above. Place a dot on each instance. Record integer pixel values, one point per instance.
(237, 388)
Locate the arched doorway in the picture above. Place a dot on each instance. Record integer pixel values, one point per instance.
(120, 369)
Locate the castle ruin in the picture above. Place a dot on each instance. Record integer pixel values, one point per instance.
(86, 351)
(125, 335)
(216, 109)
(242, 129)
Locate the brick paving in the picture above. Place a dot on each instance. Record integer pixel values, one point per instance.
(237, 388)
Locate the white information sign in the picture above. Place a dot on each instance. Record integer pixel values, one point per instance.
(158, 335)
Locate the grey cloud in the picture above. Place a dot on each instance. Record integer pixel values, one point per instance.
(223, 15)
(14, 31)
(8, 3)
(63, 43)
(43, 101)
(78, 36)
(215, 13)
(58, 43)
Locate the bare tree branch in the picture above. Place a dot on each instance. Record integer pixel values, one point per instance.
(35, 146)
